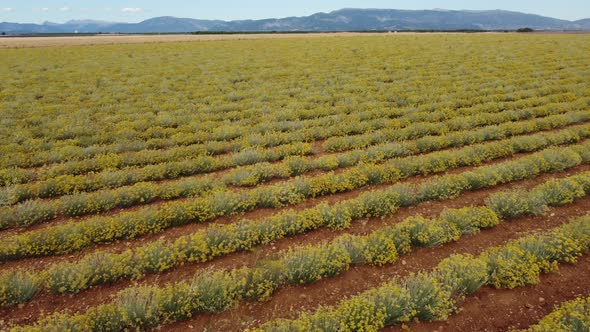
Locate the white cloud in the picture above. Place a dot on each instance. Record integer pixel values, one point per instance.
(7, 9)
(44, 9)
(64, 9)
(131, 10)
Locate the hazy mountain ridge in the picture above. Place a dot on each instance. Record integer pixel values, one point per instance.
(347, 19)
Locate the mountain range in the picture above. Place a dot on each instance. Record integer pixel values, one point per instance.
(339, 20)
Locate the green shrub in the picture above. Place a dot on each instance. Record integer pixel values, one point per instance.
(29, 213)
(108, 267)
(337, 217)
(560, 192)
(549, 250)
(158, 256)
(355, 246)
(510, 267)
(430, 299)
(462, 274)
(247, 157)
(394, 301)
(569, 316)
(17, 287)
(259, 283)
(140, 306)
(379, 249)
(253, 175)
(469, 220)
(359, 314)
(322, 320)
(484, 178)
(105, 318)
(212, 291)
(556, 160)
(429, 233)
(308, 264)
(298, 165)
(350, 159)
(512, 204)
(407, 194)
(444, 187)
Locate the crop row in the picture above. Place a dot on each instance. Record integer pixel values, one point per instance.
(66, 184)
(71, 103)
(424, 296)
(224, 138)
(36, 211)
(343, 143)
(433, 296)
(145, 157)
(569, 316)
(168, 124)
(76, 235)
(256, 174)
(101, 268)
(183, 134)
(169, 111)
(33, 212)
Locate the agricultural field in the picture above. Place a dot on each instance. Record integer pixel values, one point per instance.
(342, 183)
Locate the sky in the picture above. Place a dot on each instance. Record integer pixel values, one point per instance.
(59, 11)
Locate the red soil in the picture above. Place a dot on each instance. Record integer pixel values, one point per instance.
(502, 310)
(289, 301)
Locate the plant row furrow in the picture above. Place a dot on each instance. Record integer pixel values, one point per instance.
(65, 184)
(68, 184)
(101, 229)
(34, 212)
(381, 247)
(435, 295)
(518, 263)
(569, 316)
(183, 135)
(147, 157)
(343, 143)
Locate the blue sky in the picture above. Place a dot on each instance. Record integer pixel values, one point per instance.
(36, 11)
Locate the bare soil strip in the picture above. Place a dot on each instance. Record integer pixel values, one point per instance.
(178, 231)
(502, 310)
(61, 219)
(288, 302)
(357, 279)
(109, 39)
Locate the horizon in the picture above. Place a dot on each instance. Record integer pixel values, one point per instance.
(38, 12)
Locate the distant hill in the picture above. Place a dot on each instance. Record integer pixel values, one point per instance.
(584, 23)
(339, 20)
